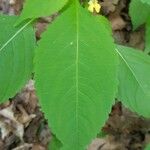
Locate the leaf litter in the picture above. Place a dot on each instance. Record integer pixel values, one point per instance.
(22, 124)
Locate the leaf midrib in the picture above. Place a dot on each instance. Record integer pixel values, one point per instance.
(77, 73)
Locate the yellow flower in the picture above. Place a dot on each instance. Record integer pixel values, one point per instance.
(94, 5)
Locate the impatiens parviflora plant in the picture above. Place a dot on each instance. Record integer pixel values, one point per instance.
(79, 71)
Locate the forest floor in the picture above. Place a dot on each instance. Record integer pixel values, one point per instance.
(22, 124)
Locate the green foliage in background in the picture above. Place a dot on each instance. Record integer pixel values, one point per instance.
(79, 71)
(139, 11)
(147, 147)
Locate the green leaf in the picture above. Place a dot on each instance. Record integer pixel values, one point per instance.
(76, 76)
(134, 80)
(101, 134)
(39, 8)
(54, 144)
(147, 37)
(146, 1)
(139, 12)
(16, 56)
(147, 147)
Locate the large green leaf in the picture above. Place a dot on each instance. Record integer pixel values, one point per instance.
(139, 12)
(16, 55)
(39, 8)
(134, 80)
(76, 76)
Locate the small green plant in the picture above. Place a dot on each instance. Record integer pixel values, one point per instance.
(79, 70)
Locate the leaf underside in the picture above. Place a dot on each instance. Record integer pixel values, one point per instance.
(134, 82)
(16, 55)
(76, 76)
